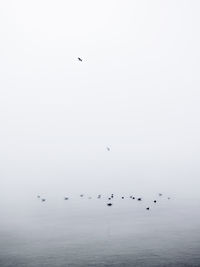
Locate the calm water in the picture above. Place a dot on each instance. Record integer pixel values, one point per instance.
(83, 232)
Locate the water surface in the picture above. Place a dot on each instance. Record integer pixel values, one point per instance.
(85, 232)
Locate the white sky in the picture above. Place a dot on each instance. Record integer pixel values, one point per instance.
(137, 91)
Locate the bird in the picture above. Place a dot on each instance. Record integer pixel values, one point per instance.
(109, 198)
(38, 196)
(109, 204)
(66, 198)
(108, 149)
(147, 208)
(80, 59)
(160, 194)
(122, 197)
(43, 199)
(81, 195)
(168, 198)
(154, 201)
(139, 199)
(99, 196)
(133, 197)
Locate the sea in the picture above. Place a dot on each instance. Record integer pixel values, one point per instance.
(84, 231)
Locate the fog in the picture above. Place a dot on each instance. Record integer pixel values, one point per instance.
(136, 91)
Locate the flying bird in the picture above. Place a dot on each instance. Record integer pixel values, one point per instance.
(80, 59)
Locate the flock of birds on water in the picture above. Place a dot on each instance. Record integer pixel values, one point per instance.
(111, 197)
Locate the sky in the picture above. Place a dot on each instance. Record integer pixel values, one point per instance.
(136, 91)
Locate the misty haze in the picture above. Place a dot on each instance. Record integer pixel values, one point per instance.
(99, 133)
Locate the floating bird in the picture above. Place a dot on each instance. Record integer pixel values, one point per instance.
(122, 197)
(80, 59)
(109, 204)
(160, 194)
(43, 199)
(133, 197)
(81, 195)
(168, 198)
(154, 201)
(147, 208)
(139, 199)
(109, 198)
(99, 196)
(66, 198)
(108, 149)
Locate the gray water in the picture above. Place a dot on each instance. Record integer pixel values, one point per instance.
(85, 232)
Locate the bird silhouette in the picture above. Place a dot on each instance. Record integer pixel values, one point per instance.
(80, 59)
